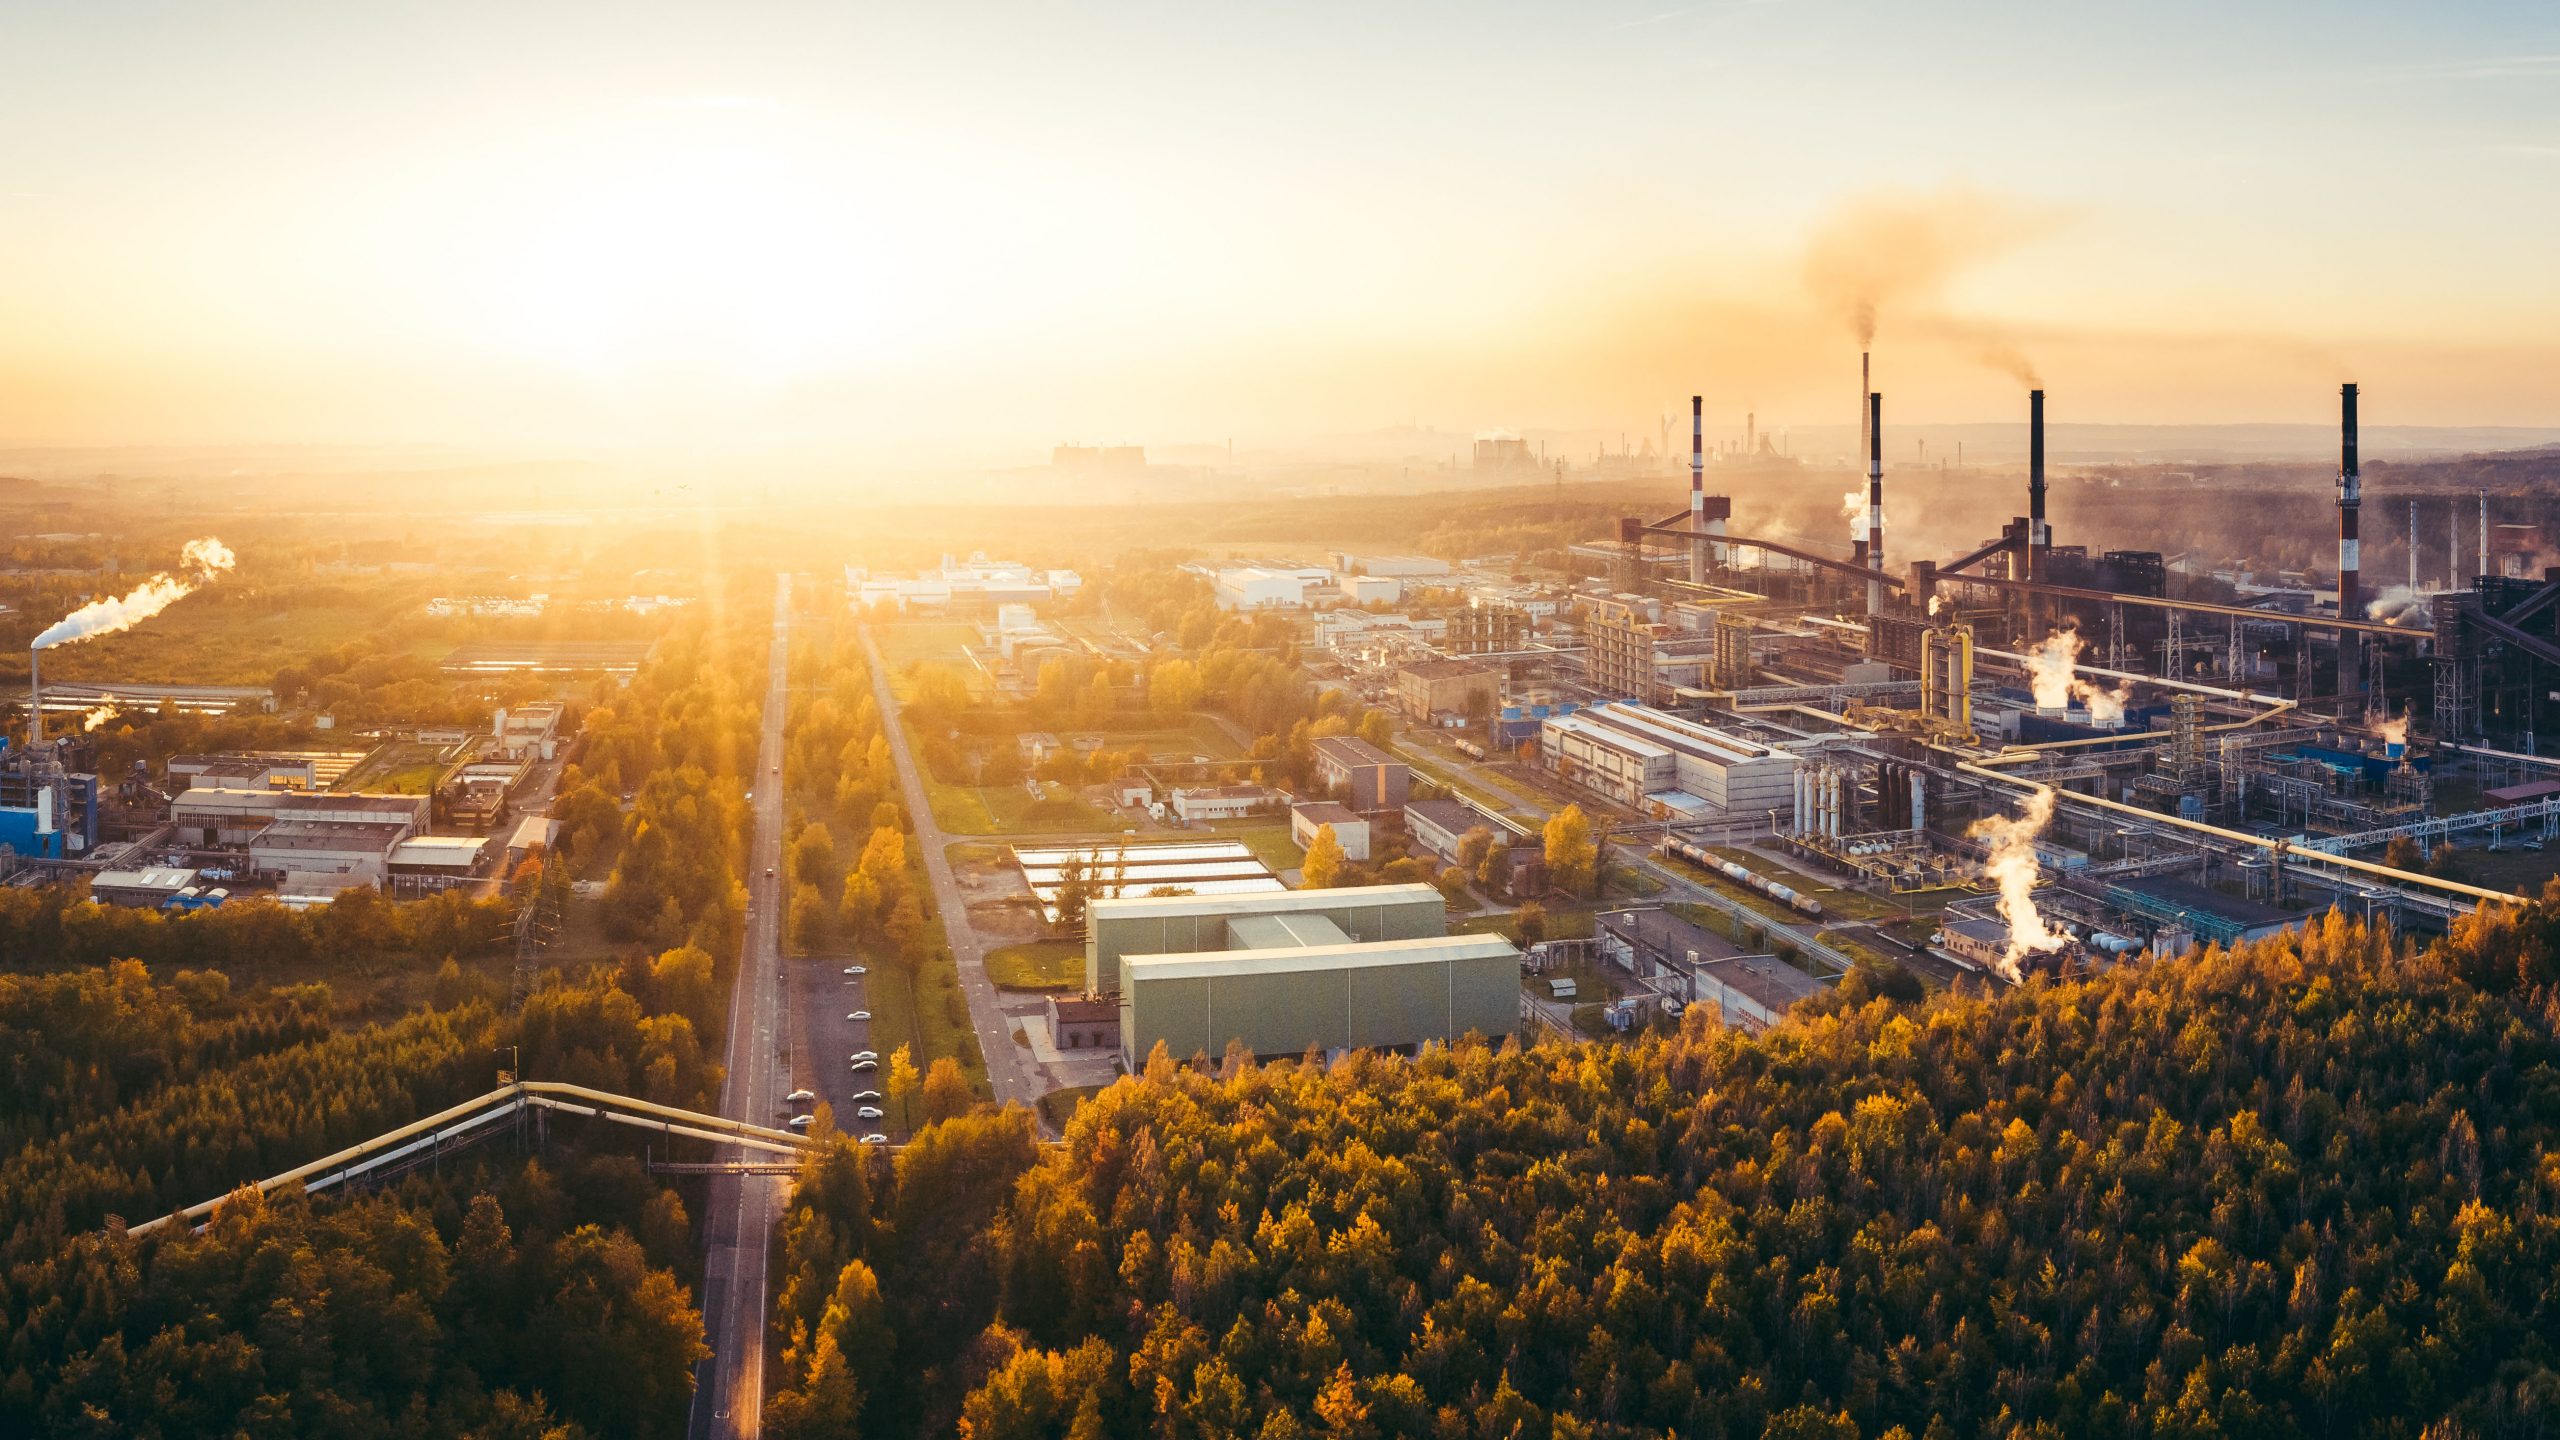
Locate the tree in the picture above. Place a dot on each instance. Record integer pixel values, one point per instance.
(1323, 865)
(1573, 856)
(813, 855)
(1378, 727)
(946, 1091)
(1530, 922)
(901, 1087)
(1075, 891)
(1473, 847)
(681, 980)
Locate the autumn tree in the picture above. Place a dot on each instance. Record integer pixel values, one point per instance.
(1573, 855)
(1323, 863)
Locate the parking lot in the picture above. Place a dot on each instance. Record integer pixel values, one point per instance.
(824, 1037)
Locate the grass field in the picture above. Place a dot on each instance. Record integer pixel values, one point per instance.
(401, 768)
(211, 639)
(1037, 965)
(930, 641)
(1058, 1106)
(918, 1016)
(1562, 924)
(1267, 839)
(1010, 810)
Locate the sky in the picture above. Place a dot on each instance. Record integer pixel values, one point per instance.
(972, 230)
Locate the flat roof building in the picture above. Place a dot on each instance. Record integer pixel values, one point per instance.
(346, 853)
(146, 889)
(1447, 687)
(1363, 776)
(1633, 753)
(1320, 993)
(1349, 829)
(1176, 924)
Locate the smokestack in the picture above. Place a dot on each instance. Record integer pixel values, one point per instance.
(2484, 534)
(1875, 511)
(1698, 488)
(35, 703)
(2413, 547)
(2350, 563)
(1866, 387)
(2039, 536)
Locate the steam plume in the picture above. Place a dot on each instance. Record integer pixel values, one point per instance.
(2400, 605)
(2013, 868)
(2395, 731)
(1853, 505)
(201, 560)
(97, 716)
(2052, 673)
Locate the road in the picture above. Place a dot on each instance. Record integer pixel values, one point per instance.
(1010, 1070)
(737, 1237)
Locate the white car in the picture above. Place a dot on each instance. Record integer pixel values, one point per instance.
(862, 1065)
(866, 1054)
(857, 969)
(866, 1097)
(875, 1138)
(803, 1122)
(868, 1112)
(800, 1097)
(859, 1015)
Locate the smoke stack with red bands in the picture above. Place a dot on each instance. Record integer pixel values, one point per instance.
(1875, 511)
(1698, 487)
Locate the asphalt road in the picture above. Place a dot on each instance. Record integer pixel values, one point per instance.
(738, 1232)
(1009, 1067)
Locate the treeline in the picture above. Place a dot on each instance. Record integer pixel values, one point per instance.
(417, 1314)
(54, 927)
(2308, 1187)
(681, 739)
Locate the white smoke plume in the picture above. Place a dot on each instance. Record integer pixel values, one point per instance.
(201, 560)
(2012, 867)
(2394, 731)
(2052, 673)
(2402, 606)
(2049, 668)
(1853, 506)
(1936, 603)
(98, 715)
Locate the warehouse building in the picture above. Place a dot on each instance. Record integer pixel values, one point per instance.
(147, 889)
(1330, 970)
(1658, 763)
(1440, 825)
(423, 864)
(314, 856)
(1349, 829)
(1361, 775)
(1176, 924)
(1203, 803)
(219, 816)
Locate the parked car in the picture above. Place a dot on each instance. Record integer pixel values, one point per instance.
(867, 1112)
(866, 1097)
(859, 1015)
(866, 1054)
(862, 1065)
(875, 1138)
(803, 1122)
(800, 1097)
(857, 969)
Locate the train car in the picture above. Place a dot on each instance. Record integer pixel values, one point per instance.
(1743, 875)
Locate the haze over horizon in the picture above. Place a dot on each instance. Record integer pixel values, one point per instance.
(974, 231)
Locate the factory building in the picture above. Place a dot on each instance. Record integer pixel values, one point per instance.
(215, 817)
(1658, 763)
(529, 730)
(1174, 924)
(316, 857)
(1323, 970)
(241, 772)
(1349, 829)
(1203, 803)
(145, 889)
(426, 863)
(1441, 688)
(1364, 777)
(1265, 587)
(49, 799)
(1439, 825)
(977, 583)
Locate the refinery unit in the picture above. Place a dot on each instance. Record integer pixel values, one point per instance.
(2102, 766)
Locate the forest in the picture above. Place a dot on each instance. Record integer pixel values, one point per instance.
(2306, 1187)
(537, 1289)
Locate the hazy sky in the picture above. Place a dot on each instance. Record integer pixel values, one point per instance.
(972, 230)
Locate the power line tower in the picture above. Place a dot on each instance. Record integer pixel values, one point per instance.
(538, 916)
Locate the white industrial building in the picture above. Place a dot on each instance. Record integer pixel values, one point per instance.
(1220, 802)
(1658, 763)
(313, 856)
(1266, 587)
(972, 583)
(1349, 830)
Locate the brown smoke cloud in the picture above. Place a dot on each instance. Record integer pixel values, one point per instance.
(1899, 250)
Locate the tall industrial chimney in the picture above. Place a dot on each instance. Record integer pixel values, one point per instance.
(2413, 548)
(35, 701)
(1866, 387)
(2039, 535)
(2484, 534)
(1875, 512)
(2350, 564)
(1698, 488)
